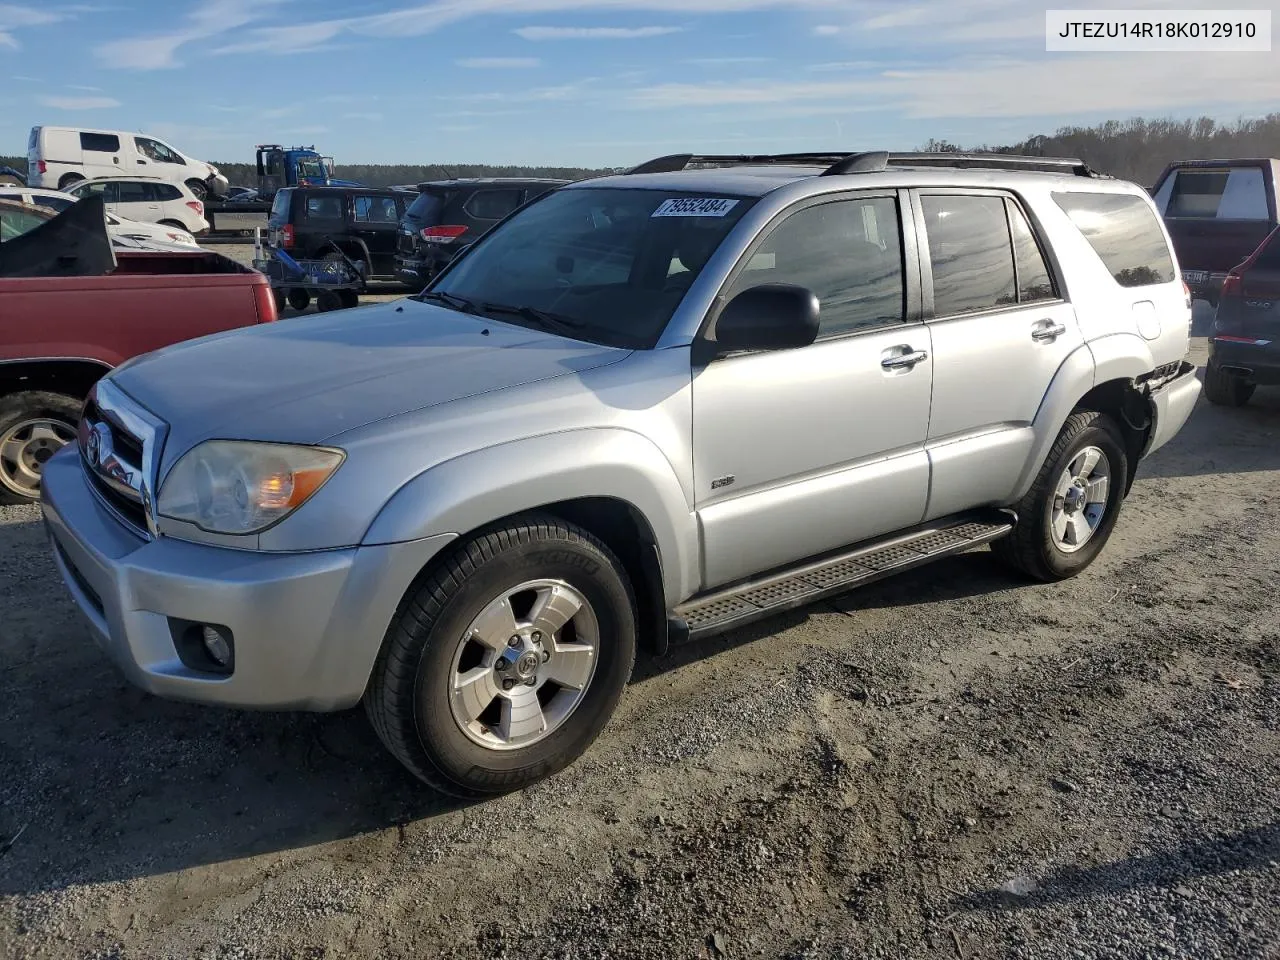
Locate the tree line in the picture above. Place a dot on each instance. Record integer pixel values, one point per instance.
(1136, 149)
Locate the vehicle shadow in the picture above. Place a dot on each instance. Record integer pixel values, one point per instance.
(1244, 850)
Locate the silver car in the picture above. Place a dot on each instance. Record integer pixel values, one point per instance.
(644, 408)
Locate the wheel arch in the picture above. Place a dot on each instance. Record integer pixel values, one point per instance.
(614, 483)
(1103, 375)
(73, 376)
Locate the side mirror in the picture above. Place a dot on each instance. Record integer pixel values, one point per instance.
(772, 316)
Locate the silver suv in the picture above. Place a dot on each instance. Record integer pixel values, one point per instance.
(644, 408)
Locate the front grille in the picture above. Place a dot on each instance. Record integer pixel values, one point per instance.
(118, 442)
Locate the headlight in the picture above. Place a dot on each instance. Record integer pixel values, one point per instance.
(240, 487)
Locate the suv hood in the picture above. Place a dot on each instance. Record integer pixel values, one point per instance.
(307, 379)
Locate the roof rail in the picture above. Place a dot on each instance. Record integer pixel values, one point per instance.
(681, 161)
(880, 160)
(839, 163)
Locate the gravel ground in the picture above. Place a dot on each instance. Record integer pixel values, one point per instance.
(953, 764)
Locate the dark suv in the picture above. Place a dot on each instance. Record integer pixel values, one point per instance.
(1244, 348)
(449, 215)
(362, 221)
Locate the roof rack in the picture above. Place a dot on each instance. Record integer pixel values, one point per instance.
(840, 163)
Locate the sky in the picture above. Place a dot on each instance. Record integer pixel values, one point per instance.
(587, 82)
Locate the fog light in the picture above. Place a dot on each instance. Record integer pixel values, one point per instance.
(215, 644)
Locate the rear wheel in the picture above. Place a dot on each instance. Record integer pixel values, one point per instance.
(1224, 388)
(327, 300)
(1068, 514)
(281, 300)
(34, 425)
(348, 299)
(505, 663)
(69, 180)
(299, 298)
(199, 188)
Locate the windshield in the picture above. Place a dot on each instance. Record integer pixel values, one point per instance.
(611, 263)
(311, 170)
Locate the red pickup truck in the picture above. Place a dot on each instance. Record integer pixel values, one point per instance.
(1218, 212)
(60, 332)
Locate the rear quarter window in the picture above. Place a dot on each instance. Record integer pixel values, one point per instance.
(100, 142)
(1124, 233)
(167, 191)
(324, 208)
(280, 205)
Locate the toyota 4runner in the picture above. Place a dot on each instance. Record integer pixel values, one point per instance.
(646, 407)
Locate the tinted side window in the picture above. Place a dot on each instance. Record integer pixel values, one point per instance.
(167, 191)
(971, 253)
(324, 208)
(109, 191)
(849, 253)
(101, 142)
(1034, 282)
(280, 205)
(1124, 233)
(376, 210)
(492, 204)
(135, 191)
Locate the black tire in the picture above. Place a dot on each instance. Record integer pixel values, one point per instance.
(199, 188)
(1032, 547)
(1226, 389)
(327, 300)
(278, 295)
(299, 298)
(408, 699)
(19, 409)
(349, 299)
(68, 180)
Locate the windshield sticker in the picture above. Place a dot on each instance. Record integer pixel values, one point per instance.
(694, 207)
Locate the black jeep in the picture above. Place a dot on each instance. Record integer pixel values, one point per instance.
(362, 221)
(450, 215)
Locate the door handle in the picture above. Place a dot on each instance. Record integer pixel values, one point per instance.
(904, 361)
(1047, 331)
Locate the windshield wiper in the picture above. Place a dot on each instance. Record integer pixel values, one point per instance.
(452, 301)
(552, 322)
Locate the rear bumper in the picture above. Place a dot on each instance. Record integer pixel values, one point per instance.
(1256, 359)
(413, 271)
(1172, 404)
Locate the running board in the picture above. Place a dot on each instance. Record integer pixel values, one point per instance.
(813, 580)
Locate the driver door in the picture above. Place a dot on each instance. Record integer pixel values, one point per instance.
(799, 452)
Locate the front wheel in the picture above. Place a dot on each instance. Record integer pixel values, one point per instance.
(199, 189)
(34, 425)
(505, 663)
(1068, 514)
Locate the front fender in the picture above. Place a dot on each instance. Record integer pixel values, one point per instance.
(474, 489)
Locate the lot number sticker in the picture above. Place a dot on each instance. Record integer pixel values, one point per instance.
(694, 207)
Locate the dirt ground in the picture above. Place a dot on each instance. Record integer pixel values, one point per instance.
(953, 764)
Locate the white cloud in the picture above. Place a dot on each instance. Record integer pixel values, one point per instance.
(844, 66)
(499, 63)
(81, 87)
(159, 51)
(18, 76)
(827, 30)
(593, 33)
(8, 40)
(78, 103)
(14, 16)
(1050, 87)
(368, 117)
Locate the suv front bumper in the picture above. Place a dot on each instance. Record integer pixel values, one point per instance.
(305, 627)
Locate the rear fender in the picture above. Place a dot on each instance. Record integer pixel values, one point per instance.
(475, 489)
(1120, 357)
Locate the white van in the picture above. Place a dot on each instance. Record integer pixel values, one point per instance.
(58, 157)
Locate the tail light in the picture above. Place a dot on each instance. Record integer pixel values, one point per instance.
(42, 167)
(197, 206)
(265, 303)
(441, 234)
(286, 237)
